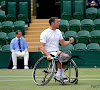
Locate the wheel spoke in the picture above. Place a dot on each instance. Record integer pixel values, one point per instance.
(42, 72)
(71, 73)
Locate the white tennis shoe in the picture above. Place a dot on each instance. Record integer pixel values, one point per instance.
(14, 67)
(26, 67)
(58, 77)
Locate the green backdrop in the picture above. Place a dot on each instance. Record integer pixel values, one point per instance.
(88, 59)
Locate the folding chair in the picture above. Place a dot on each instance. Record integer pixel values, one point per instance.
(7, 26)
(2, 38)
(67, 10)
(2, 15)
(97, 24)
(6, 48)
(23, 11)
(83, 37)
(11, 11)
(63, 25)
(93, 47)
(80, 47)
(70, 34)
(79, 10)
(68, 47)
(74, 25)
(95, 36)
(87, 24)
(19, 25)
(91, 13)
(11, 35)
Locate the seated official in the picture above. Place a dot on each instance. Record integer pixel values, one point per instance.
(19, 48)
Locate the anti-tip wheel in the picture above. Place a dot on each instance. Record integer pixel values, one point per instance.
(62, 83)
(76, 81)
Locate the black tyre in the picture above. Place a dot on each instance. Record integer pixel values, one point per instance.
(71, 72)
(43, 71)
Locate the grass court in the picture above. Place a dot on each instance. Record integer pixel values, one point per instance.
(20, 79)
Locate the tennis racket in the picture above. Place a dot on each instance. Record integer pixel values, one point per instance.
(64, 56)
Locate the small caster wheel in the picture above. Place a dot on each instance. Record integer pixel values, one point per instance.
(76, 81)
(62, 83)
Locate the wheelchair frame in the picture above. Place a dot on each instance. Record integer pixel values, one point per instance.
(49, 74)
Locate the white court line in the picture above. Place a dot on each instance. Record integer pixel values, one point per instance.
(90, 76)
(42, 76)
(18, 80)
(15, 76)
(52, 79)
(88, 79)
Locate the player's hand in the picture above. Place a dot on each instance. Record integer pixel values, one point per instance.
(14, 51)
(71, 40)
(25, 50)
(49, 57)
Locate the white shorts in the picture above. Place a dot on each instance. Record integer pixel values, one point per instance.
(53, 53)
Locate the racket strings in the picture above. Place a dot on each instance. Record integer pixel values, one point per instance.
(65, 56)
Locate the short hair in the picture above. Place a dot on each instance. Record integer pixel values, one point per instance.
(17, 31)
(52, 19)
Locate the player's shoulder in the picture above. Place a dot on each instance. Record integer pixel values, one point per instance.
(58, 30)
(45, 31)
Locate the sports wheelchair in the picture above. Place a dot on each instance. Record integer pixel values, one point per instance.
(44, 69)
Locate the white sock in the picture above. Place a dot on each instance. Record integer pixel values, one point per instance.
(59, 71)
(63, 70)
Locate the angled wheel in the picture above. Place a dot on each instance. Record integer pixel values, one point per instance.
(43, 71)
(71, 72)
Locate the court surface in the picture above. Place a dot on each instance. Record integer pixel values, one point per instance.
(20, 79)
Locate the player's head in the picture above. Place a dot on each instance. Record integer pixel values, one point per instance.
(54, 21)
(18, 34)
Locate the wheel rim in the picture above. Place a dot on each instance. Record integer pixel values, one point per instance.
(71, 73)
(42, 72)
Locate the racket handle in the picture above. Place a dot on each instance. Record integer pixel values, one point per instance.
(51, 57)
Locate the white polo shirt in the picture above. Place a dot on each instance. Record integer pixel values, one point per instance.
(51, 39)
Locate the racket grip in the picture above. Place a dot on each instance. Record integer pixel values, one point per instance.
(51, 57)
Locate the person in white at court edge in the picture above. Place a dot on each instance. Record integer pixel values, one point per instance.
(49, 43)
(19, 48)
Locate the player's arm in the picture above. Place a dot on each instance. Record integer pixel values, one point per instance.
(64, 43)
(42, 48)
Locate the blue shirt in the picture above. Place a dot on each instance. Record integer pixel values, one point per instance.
(14, 44)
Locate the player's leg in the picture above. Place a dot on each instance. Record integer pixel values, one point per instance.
(61, 68)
